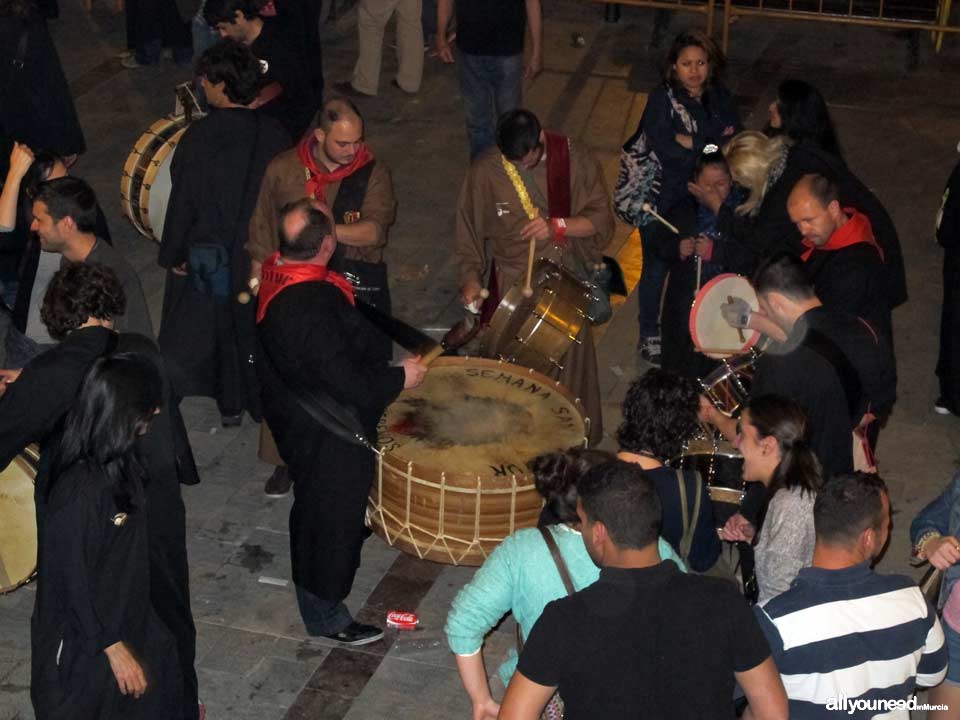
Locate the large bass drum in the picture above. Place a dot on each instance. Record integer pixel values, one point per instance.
(18, 521)
(452, 478)
(145, 183)
(720, 465)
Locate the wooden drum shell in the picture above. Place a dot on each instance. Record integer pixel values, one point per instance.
(18, 521)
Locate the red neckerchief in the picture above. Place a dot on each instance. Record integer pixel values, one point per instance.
(317, 177)
(855, 230)
(275, 277)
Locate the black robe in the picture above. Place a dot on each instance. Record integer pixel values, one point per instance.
(771, 230)
(93, 590)
(948, 235)
(207, 340)
(32, 411)
(36, 107)
(313, 337)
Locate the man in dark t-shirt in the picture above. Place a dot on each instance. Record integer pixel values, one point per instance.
(645, 640)
(489, 58)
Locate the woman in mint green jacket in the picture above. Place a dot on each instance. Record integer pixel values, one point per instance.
(521, 577)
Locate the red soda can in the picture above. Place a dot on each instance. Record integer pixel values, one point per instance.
(402, 620)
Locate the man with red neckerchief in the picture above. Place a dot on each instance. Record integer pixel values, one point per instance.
(563, 184)
(330, 352)
(333, 165)
(842, 257)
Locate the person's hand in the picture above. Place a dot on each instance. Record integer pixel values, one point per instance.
(413, 372)
(470, 292)
(533, 67)
(487, 710)
(684, 140)
(127, 671)
(703, 247)
(255, 268)
(539, 229)
(7, 377)
(943, 552)
(737, 529)
(707, 412)
(21, 158)
(737, 313)
(686, 248)
(708, 197)
(444, 51)
(180, 269)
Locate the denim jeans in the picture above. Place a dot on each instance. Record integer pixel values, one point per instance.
(322, 617)
(491, 86)
(650, 287)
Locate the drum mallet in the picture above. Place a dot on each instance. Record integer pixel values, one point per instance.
(244, 297)
(528, 288)
(648, 208)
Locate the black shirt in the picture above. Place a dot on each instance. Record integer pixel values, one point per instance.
(705, 548)
(491, 27)
(287, 66)
(646, 643)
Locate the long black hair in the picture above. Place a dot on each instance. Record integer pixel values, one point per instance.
(117, 401)
(782, 419)
(804, 116)
(556, 475)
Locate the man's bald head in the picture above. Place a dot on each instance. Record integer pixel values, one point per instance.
(306, 232)
(339, 134)
(338, 110)
(814, 207)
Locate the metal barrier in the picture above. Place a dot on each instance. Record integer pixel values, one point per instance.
(868, 13)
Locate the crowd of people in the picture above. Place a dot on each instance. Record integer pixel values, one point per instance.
(627, 598)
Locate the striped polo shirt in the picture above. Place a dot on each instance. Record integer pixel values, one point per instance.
(845, 639)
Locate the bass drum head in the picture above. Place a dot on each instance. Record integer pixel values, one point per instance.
(711, 334)
(18, 522)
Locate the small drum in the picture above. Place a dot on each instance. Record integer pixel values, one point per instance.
(145, 183)
(452, 479)
(535, 332)
(720, 465)
(18, 521)
(728, 387)
(711, 334)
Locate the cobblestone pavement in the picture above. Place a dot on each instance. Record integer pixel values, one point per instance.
(899, 129)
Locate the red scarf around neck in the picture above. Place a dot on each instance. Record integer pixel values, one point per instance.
(317, 176)
(276, 276)
(855, 230)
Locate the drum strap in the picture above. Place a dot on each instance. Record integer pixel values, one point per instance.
(846, 373)
(689, 521)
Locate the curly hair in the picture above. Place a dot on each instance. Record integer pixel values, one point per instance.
(556, 475)
(659, 414)
(79, 292)
(233, 64)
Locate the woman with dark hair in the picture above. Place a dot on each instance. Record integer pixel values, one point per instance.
(695, 256)
(521, 575)
(772, 438)
(690, 109)
(801, 113)
(98, 648)
(659, 416)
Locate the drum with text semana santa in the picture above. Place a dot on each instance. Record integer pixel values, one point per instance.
(452, 478)
(711, 334)
(145, 183)
(18, 521)
(536, 331)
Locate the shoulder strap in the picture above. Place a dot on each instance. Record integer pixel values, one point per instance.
(689, 521)
(826, 348)
(558, 559)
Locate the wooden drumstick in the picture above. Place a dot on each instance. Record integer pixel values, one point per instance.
(528, 288)
(432, 355)
(699, 268)
(647, 208)
(484, 294)
(244, 297)
(740, 334)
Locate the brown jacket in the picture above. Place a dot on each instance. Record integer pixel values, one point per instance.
(284, 181)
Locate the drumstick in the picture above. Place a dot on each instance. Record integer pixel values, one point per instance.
(739, 330)
(647, 208)
(484, 293)
(699, 267)
(244, 297)
(432, 355)
(528, 288)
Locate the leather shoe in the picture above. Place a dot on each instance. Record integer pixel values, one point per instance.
(357, 634)
(279, 483)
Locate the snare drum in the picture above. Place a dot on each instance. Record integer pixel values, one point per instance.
(452, 478)
(720, 465)
(711, 334)
(535, 332)
(18, 521)
(728, 386)
(145, 183)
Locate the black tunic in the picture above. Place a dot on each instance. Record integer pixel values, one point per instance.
(32, 411)
(313, 337)
(948, 235)
(93, 591)
(207, 340)
(286, 65)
